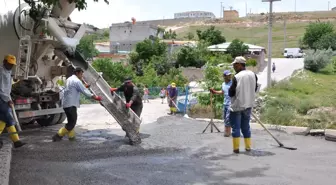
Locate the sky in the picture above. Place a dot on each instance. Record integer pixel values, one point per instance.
(102, 15)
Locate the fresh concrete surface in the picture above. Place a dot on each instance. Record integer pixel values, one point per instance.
(173, 152)
(5, 161)
(284, 68)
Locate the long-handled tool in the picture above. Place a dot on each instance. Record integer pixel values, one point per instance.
(280, 144)
(211, 123)
(18, 126)
(174, 104)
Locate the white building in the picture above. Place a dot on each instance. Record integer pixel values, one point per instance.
(124, 36)
(194, 14)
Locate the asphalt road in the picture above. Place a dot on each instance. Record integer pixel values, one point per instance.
(173, 152)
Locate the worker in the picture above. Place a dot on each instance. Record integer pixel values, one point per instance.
(167, 93)
(6, 103)
(242, 92)
(132, 96)
(227, 101)
(172, 95)
(71, 101)
(273, 67)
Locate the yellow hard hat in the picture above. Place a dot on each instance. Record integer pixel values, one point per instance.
(173, 84)
(10, 59)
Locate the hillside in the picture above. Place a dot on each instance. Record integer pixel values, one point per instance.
(254, 29)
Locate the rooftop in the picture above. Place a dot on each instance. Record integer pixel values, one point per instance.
(224, 46)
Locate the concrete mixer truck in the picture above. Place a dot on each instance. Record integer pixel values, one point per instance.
(44, 43)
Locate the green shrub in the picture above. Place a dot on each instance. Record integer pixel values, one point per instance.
(317, 60)
(251, 62)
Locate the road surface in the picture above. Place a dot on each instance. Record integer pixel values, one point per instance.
(173, 152)
(284, 68)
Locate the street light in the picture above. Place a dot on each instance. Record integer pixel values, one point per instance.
(269, 62)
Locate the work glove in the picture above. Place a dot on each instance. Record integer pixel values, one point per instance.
(212, 90)
(10, 103)
(98, 98)
(87, 86)
(113, 89)
(128, 105)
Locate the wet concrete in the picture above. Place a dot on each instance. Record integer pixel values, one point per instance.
(173, 152)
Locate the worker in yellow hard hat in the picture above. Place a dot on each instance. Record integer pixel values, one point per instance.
(172, 97)
(6, 103)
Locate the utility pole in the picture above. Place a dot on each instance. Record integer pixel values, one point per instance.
(269, 62)
(221, 10)
(285, 33)
(328, 5)
(245, 8)
(295, 6)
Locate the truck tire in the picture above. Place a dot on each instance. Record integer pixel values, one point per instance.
(62, 118)
(50, 119)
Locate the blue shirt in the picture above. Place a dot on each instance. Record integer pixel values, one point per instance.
(71, 95)
(225, 89)
(173, 92)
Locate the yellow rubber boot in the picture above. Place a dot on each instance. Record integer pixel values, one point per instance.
(62, 132)
(236, 142)
(247, 144)
(13, 137)
(2, 126)
(72, 135)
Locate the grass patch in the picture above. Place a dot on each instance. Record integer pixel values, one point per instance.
(288, 102)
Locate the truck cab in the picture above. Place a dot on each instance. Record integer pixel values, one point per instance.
(293, 53)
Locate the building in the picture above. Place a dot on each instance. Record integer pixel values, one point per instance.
(333, 9)
(230, 14)
(255, 52)
(173, 45)
(194, 14)
(125, 36)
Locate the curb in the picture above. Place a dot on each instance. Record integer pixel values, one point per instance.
(330, 135)
(5, 162)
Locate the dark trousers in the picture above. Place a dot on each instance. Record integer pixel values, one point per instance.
(71, 114)
(5, 113)
(137, 109)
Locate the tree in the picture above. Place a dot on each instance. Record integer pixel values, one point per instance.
(148, 48)
(113, 72)
(315, 60)
(87, 48)
(211, 36)
(315, 31)
(237, 48)
(169, 34)
(326, 41)
(38, 8)
(189, 57)
(190, 36)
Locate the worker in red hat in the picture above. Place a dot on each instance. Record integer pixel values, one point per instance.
(132, 96)
(6, 103)
(71, 101)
